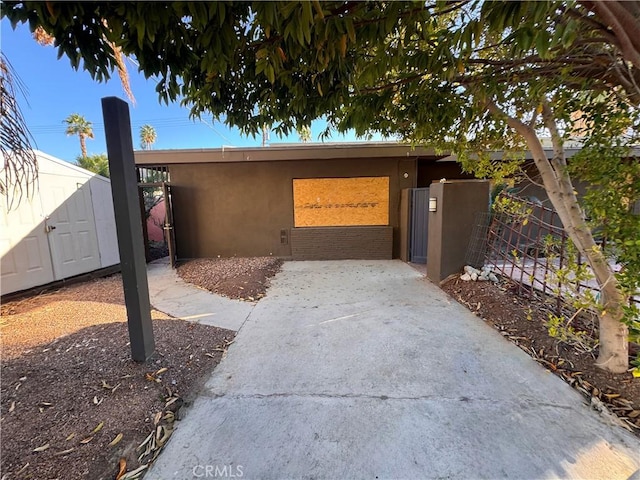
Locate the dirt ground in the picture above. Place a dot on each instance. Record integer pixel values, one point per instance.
(74, 405)
(522, 320)
(239, 278)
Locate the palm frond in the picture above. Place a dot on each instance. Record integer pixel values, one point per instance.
(19, 175)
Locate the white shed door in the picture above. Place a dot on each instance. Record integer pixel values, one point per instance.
(72, 228)
(26, 261)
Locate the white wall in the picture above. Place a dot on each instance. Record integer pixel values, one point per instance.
(105, 221)
(79, 204)
(24, 246)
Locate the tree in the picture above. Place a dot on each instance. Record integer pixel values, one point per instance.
(20, 165)
(44, 39)
(147, 136)
(98, 163)
(499, 76)
(78, 125)
(304, 134)
(466, 76)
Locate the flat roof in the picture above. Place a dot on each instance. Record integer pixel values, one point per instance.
(284, 152)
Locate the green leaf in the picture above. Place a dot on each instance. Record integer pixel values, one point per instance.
(542, 44)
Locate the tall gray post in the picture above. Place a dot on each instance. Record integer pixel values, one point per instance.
(126, 204)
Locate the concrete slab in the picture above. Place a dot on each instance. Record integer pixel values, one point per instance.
(363, 369)
(172, 295)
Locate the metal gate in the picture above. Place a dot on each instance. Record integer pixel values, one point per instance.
(157, 178)
(168, 224)
(419, 225)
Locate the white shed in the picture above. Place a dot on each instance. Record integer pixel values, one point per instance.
(66, 229)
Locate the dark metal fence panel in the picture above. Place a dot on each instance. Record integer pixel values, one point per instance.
(419, 224)
(153, 174)
(477, 249)
(528, 245)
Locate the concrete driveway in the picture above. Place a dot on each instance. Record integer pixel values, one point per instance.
(364, 369)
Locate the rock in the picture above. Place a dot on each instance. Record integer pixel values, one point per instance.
(474, 276)
(470, 270)
(493, 278)
(465, 276)
(483, 278)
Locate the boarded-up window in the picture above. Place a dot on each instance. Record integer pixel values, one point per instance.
(330, 202)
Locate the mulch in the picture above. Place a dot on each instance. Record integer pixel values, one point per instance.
(237, 277)
(74, 404)
(522, 319)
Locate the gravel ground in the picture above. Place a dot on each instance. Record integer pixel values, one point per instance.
(73, 403)
(239, 278)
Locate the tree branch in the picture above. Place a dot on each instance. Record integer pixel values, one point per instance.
(625, 27)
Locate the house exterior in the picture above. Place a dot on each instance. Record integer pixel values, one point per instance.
(302, 201)
(66, 229)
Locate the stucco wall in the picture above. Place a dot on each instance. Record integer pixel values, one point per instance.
(241, 208)
(458, 202)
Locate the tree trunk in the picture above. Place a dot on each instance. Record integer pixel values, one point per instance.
(83, 146)
(614, 345)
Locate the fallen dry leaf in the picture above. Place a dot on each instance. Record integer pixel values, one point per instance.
(133, 474)
(122, 467)
(42, 448)
(86, 440)
(150, 377)
(116, 440)
(106, 386)
(98, 428)
(157, 418)
(64, 452)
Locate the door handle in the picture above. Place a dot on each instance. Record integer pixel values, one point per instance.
(49, 228)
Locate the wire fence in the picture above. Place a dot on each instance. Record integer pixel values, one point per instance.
(526, 243)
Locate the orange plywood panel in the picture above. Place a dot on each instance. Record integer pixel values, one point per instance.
(330, 202)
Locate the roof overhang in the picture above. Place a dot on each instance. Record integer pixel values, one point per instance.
(304, 151)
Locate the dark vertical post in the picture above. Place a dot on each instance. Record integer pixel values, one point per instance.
(126, 203)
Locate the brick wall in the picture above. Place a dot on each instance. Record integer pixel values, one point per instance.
(341, 243)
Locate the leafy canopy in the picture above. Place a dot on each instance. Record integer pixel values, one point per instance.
(98, 163)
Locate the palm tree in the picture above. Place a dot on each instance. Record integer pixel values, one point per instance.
(304, 133)
(98, 163)
(147, 136)
(20, 171)
(43, 38)
(80, 126)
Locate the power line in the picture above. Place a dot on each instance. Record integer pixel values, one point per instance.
(156, 123)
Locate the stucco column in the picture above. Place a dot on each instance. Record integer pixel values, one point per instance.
(457, 203)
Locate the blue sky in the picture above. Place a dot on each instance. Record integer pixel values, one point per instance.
(54, 90)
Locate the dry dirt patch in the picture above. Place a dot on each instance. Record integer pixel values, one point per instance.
(522, 320)
(73, 403)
